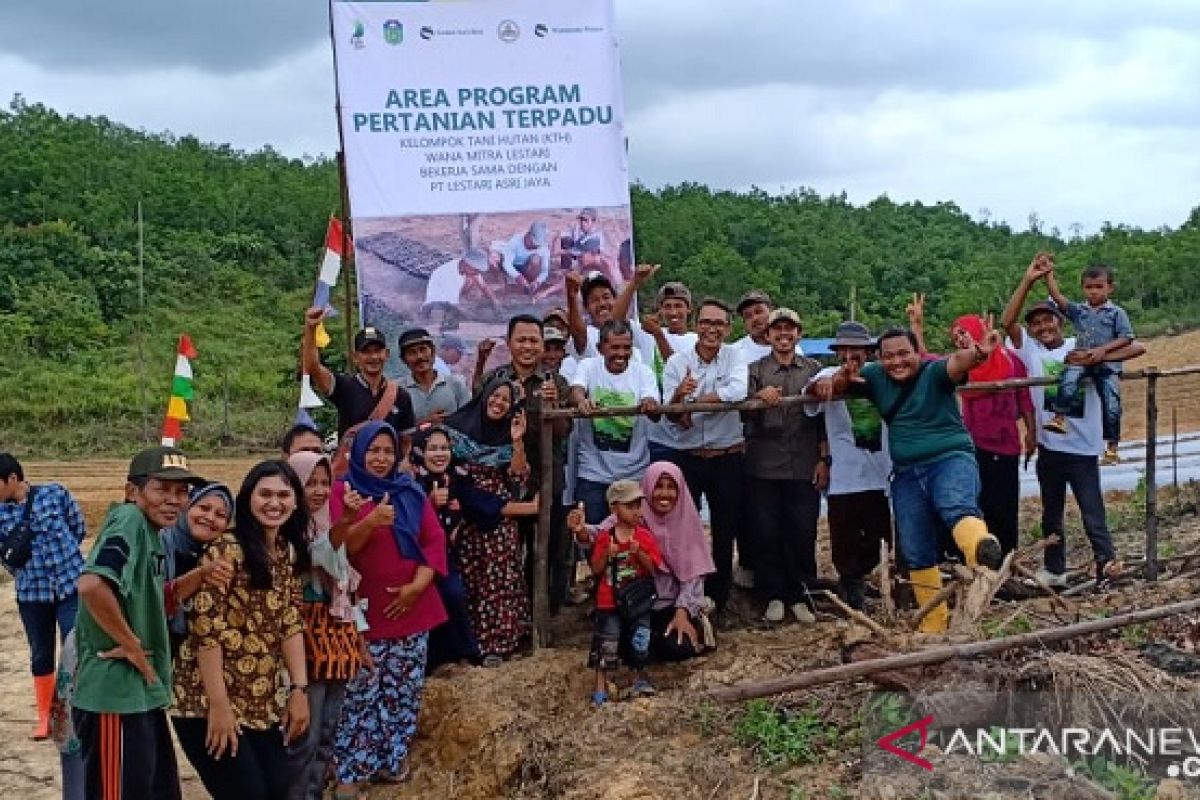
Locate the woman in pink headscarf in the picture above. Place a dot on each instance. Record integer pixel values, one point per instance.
(680, 628)
(991, 419)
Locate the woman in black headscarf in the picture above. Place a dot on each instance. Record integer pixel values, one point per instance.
(486, 438)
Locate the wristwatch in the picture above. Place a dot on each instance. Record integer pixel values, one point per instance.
(298, 687)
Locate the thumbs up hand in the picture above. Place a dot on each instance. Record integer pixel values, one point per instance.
(686, 387)
(576, 523)
(440, 495)
(383, 514)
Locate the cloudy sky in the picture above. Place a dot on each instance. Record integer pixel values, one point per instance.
(1079, 110)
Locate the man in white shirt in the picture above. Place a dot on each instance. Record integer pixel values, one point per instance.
(611, 448)
(710, 444)
(659, 337)
(755, 310)
(860, 515)
(1069, 459)
(526, 257)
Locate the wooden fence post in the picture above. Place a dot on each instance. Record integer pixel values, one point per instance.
(541, 540)
(1151, 473)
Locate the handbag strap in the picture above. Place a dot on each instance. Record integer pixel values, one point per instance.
(906, 391)
(27, 514)
(387, 400)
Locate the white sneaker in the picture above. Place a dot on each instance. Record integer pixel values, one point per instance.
(743, 578)
(803, 615)
(774, 612)
(1052, 579)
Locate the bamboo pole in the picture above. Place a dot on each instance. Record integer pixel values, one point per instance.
(937, 655)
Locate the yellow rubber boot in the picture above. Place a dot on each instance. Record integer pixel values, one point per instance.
(977, 545)
(925, 584)
(43, 691)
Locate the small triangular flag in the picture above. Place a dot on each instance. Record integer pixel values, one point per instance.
(304, 418)
(186, 348)
(321, 336)
(308, 398)
(177, 409)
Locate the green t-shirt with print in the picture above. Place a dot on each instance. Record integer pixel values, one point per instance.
(929, 426)
(128, 554)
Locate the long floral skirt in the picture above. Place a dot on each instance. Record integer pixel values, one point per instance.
(497, 600)
(379, 716)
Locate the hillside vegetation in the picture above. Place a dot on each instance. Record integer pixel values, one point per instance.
(232, 241)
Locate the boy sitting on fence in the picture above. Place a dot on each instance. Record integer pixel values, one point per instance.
(1101, 327)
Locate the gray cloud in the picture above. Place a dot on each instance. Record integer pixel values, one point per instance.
(120, 36)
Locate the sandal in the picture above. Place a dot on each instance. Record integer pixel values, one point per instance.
(400, 776)
(599, 699)
(491, 661)
(642, 688)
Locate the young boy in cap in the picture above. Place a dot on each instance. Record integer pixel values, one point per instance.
(123, 680)
(621, 553)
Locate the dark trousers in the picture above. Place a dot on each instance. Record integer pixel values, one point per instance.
(259, 771)
(132, 752)
(785, 522)
(858, 522)
(39, 621)
(719, 480)
(1108, 388)
(1056, 471)
(616, 639)
(311, 755)
(453, 640)
(669, 647)
(999, 496)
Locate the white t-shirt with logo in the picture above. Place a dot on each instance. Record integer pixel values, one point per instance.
(611, 448)
(857, 443)
(1084, 436)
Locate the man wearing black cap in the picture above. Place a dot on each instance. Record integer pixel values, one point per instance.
(860, 514)
(1068, 459)
(123, 679)
(434, 394)
(365, 395)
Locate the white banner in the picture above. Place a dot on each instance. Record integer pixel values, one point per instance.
(485, 156)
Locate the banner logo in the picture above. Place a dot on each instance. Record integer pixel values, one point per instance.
(393, 31)
(358, 38)
(508, 31)
(888, 742)
(426, 32)
(541, 30)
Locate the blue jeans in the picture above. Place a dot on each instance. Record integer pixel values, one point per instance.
(1108, 388)
(928, 498)
(39, 620)
(1056, 471)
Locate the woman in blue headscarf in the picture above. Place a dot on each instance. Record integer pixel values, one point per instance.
(487, 440)
(395, 542)
(208, 515)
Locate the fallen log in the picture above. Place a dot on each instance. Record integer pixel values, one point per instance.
(844, 672)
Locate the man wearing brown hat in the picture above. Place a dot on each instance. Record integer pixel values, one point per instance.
(787, 468)
(123, 679)
(860, 513)
(366, 394)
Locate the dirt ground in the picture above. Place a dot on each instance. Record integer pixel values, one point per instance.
(1178, 397)
(525, 730)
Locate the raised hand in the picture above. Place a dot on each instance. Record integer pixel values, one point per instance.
(1039, 267)
(440, 495)
(518, 426)
(651, 324)
(352, 500)
(644, 272)
(574, 282)
(383, 514)
(915, 310)
(484, 350)
(314, 317)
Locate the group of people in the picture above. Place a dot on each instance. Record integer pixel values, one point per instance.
(285, 631)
